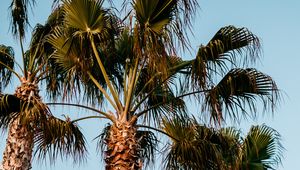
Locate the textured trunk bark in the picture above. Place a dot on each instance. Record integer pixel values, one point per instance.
(122, 148)
(19, 145)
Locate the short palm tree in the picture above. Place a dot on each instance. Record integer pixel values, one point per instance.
(195, 146)
(260, 149)
(28, 120)
(133, 64)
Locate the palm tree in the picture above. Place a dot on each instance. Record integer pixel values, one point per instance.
(28, 120)
(195, 146)
(133, 64)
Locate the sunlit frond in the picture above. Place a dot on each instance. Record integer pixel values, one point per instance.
(88, 18)
(85, 22)
(238, 91)
(57, 137)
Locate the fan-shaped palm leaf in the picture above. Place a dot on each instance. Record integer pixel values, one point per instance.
(262, 149)
(57, 137)
(89, 30)
(238, 89)
(194, 146)
(6, 65)
(88, 18)
(52, 135)
(227, 45)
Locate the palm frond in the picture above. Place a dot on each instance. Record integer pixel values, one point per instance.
(165, 20)
(262, 148)
(238, 90)
(160, 98)
(193, 146)
(228, 44)
(6, 57)
(88, 18)
(158, 31)
(71, 63)
(57, 137)
(148, 144)
(19, 16)
(10, 107)
(154, 15)
(73, 55)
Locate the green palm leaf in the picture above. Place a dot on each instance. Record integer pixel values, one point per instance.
(10, 106)
(154, 15)
(88, 18)
(6, 60)
(262, 149)
(193, 146)
(238, 89)
(56, 137)
(228, 44)
(84, 22)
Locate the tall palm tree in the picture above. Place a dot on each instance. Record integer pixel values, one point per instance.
(133, 64)
(28, 120)
(195, 146)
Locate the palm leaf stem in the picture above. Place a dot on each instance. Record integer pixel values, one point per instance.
(130, 89)
(33, 65)
(41, 67)
(157, 130)
(108, 116)
(11, 70)
(88, 117)
(162, 10)
(180, 66)
(23, 56)
(149, 93)
(102, 90)
(125, 82)
(105, 75)
(167, 101)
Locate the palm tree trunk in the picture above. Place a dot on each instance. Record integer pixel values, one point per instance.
(19, 146)
(122, 148)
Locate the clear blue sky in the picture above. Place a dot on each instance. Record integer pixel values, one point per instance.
(276, 22)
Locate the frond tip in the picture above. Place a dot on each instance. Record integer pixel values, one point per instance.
(57, 137)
